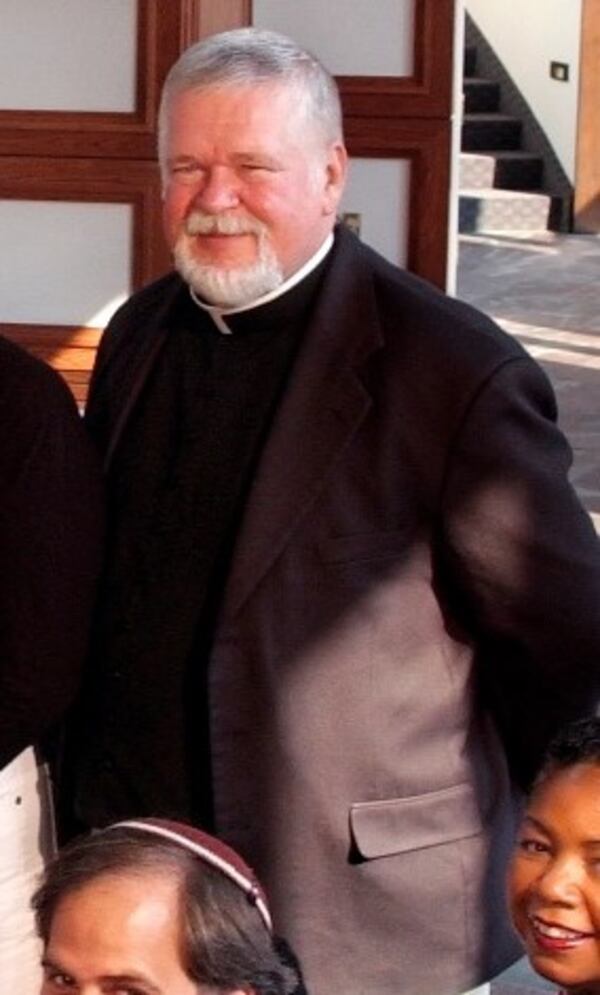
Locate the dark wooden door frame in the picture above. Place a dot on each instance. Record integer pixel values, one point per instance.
(587, 166)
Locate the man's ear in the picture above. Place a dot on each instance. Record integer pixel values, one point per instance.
(336, 170)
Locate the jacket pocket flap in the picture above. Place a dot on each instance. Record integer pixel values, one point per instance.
(398, 825)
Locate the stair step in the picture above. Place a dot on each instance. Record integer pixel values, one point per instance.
(502, 211)
(490, 131)
(480, 95)
(509, 170)
(470, 60)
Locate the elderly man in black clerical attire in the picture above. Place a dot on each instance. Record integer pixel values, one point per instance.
(349, 591)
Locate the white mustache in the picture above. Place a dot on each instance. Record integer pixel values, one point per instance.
(220, 224)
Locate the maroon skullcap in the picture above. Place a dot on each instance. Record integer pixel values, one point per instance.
(210, 849)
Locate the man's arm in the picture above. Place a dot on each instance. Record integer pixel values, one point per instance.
(50, 538)
(523, 561)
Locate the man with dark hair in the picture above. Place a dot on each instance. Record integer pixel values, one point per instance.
(50, 546)
(162, 907)
(344, 557)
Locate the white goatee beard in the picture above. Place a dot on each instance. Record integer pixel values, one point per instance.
(223, 286)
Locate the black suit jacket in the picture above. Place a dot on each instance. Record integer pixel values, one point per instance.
(413, 573)
(51, 541)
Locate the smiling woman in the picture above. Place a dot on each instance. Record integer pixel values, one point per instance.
(554, 879)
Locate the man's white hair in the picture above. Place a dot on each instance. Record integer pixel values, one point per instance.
(253, 55)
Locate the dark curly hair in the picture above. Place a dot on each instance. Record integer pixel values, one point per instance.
(578, 742)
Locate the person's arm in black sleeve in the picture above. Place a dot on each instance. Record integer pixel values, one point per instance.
(50, 541)
(523, 561)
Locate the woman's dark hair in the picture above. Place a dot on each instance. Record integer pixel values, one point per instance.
(578, 742)
(225, 942)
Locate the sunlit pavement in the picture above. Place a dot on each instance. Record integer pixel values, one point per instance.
(545, 290)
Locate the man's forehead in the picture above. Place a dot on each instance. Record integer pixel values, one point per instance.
(240, 90)
(245, 117)
(118, 926)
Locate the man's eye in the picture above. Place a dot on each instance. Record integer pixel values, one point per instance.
(183, 169)
(256, 167)
(58, 981)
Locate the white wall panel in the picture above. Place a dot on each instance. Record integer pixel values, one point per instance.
(63, 263)
(357, 38)
(68, 55)
(378, 190)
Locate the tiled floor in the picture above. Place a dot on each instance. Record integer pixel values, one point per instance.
(546, 291)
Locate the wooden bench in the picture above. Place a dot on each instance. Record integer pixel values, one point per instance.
(70, 350)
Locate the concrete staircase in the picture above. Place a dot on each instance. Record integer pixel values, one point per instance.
(499, 183)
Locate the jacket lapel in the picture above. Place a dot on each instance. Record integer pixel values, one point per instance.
(121, 373)
(322, 406)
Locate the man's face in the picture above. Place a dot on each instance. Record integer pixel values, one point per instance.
(251, 188)
(117, 935)
(554, 879)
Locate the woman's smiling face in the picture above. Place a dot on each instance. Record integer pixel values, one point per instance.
(554, 878)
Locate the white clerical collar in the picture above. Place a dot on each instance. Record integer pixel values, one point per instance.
(218, 314)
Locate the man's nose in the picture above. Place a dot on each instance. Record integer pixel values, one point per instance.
(218, 191)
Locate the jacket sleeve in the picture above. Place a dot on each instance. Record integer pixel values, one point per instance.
(50, 540)
(523, 561)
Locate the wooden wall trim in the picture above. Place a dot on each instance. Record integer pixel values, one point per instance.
(587, 171)
(209, 17)
(69, 349)
(54, 340)
(190, 16)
